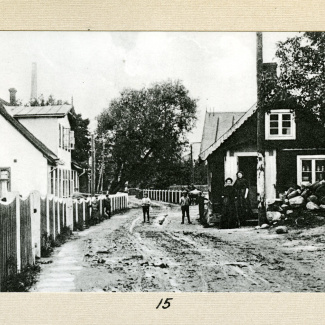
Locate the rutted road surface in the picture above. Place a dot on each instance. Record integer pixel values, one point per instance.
(123, 254)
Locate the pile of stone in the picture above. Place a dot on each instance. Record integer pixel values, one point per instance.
(309, 197)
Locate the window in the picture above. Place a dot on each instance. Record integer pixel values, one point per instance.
(310, 168)
(60, 136)
(66, 138)
(280, 125)
(5, 176)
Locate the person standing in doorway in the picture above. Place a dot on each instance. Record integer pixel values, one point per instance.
(244, 207)
(185, 206)
(146, 202)
(229, 215)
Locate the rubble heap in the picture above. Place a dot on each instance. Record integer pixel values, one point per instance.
(309, 197)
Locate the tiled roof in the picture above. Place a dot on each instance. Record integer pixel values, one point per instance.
(204, 154)
(48, 154)
(215, 125)
(39, 111)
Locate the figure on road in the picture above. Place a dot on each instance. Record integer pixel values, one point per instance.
(94, 210)
(229, 214)
(200, 201)
(244, 207)
(107, 206)
(185, 206)
(146, 202)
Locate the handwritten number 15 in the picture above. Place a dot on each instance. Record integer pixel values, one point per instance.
(166, 303)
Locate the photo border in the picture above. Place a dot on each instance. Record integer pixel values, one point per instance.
(140, 308)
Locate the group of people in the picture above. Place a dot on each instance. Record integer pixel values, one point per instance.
(94, 205)
(236, 206)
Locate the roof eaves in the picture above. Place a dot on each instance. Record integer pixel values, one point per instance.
(206, 153)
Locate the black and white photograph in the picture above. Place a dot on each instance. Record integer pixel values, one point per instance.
(162, 162)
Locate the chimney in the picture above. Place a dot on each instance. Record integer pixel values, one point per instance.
(12, 96)
(33, 94)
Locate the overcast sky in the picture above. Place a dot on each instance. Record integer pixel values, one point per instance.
(217, 68)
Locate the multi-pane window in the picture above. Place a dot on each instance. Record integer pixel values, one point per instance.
(66, 138)
(280, 125)
(310, 168)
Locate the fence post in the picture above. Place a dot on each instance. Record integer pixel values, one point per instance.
(77, 212)
(84, 210)
(69, 213)
(58, 216)
(35, 210)
(18, 250)
(53, 216)
(47, 215)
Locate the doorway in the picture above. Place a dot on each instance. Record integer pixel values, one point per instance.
(248, 164)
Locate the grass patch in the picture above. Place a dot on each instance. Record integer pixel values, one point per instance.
(20, 281)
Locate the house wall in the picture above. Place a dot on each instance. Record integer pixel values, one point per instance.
(28, 166)
(45, 129)
(280, 155)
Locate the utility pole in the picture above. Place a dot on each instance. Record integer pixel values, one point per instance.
(260, 133)
(93, 164)
(192, 167)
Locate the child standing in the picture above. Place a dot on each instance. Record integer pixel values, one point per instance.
(185, 206)
(146, 202)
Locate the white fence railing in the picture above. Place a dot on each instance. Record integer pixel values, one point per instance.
(164, 195)
(23, 222)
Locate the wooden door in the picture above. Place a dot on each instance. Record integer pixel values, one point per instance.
(248, 164)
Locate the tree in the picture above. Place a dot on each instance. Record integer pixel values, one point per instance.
(81, 152)
(40, 101)
(144, 132)
(301, 82)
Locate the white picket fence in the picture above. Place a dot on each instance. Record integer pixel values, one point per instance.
(170, 196)
(23, 222)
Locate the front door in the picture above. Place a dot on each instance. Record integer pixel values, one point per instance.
(248, 165)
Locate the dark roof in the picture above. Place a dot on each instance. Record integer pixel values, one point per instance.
(39, 111)
(223, 137)
(48, 154)
(215, 125)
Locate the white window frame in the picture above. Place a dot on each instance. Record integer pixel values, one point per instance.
(280, 112)
(313, 159)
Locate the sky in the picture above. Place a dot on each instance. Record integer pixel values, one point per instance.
(218, 68)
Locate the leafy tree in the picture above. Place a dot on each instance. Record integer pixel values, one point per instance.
(200, 171)
(40, 101)
(82, 139)
(301, 82)
(145, 132)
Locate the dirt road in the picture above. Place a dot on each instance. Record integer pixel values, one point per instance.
(123, 255)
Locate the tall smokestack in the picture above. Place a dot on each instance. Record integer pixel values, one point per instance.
(33, 94)
(12, 92)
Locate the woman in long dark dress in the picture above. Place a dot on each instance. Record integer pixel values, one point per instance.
(243, 203)
(229, 214)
